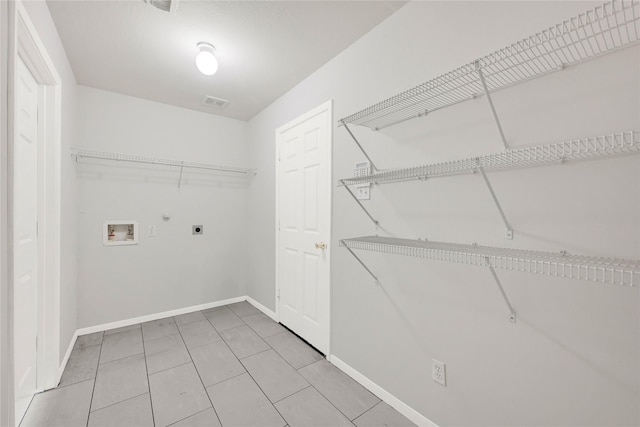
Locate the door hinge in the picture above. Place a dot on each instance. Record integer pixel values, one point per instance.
(278, 293)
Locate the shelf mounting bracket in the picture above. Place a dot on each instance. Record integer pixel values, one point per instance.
(375, 221)
(508, 234)
(180, 178)
(373, 166)
(490, 101)
(363, 264)
(512, 312)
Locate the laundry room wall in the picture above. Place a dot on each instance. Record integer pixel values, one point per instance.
(175, 269)
(573, 356)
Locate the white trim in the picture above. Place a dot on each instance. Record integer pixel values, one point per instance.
(272, 314)
(6, 399)
(67, 355)
(413, 415)
(24, 42)
(156, 316)
(325, 106)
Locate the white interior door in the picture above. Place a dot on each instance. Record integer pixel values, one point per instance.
(25, 237)
(304, 225)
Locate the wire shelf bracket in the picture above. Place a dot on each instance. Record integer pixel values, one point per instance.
(492, 107)
(373, 166)
(508, 234)
(607, 28)
(512, 312)
(375, 221)
(101, 155)
(377, 282)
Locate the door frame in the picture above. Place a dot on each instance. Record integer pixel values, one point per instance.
(326, 106)
(24, 42)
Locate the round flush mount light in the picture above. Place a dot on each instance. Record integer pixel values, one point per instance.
(206, 60)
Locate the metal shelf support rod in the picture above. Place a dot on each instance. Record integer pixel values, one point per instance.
(512, 312)
(373, 166)
(363, 265)
(491, 106)
(375, 221)
(509, 230)
(180, 179)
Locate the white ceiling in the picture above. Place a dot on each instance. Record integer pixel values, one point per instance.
(264, 47)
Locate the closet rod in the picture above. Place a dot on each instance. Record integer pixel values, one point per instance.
(85, 154)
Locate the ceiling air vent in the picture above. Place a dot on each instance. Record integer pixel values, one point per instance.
(170, 6)
(212, 101)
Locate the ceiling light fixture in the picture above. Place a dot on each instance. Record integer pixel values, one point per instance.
(206, 60)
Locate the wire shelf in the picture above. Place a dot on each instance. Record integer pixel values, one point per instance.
(606, 28)
(540, 155)
(593, 269)
(84, 154)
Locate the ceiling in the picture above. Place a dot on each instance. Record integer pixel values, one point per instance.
(264, 48)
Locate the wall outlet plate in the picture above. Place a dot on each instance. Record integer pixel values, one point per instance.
(151, 231)
(438, 372)
(363, 192)
(197, 229)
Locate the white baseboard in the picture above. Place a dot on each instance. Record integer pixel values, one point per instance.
(156, 316)
(413, 415)
(65, 359)
(262, 308)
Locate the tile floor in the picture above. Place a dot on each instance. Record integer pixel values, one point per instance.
(227, 366)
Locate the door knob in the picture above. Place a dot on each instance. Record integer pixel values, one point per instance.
(321, 245)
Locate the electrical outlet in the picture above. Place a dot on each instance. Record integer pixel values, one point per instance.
(438, 372)
(151, 231)
(363, 192)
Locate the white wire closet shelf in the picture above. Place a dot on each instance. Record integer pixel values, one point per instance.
(84, 154)
(604, 29)
(593, 269)
(540, 155)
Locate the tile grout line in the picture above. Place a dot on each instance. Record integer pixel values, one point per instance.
(219, 331)
(95, 380)
(198, 374)
(265, 394)
(370, 409)
(167, 369)
(65, 369)
(146, 368)
(337, 409)
(192, 415)
(251, 355)
(121, 401)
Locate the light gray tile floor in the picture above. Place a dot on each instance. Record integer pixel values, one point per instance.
(228, 366)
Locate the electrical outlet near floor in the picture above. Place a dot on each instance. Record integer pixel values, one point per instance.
(438, 372)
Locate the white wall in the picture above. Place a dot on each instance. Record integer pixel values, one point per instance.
(573, 358)
(174, 269)
(41, 18)
(5, 404)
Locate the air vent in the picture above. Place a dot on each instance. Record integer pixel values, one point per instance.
(212, 101)
(166, 5)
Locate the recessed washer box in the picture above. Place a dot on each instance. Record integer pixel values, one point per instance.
(118, 233)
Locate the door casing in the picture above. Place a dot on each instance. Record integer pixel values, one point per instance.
(24, 42)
